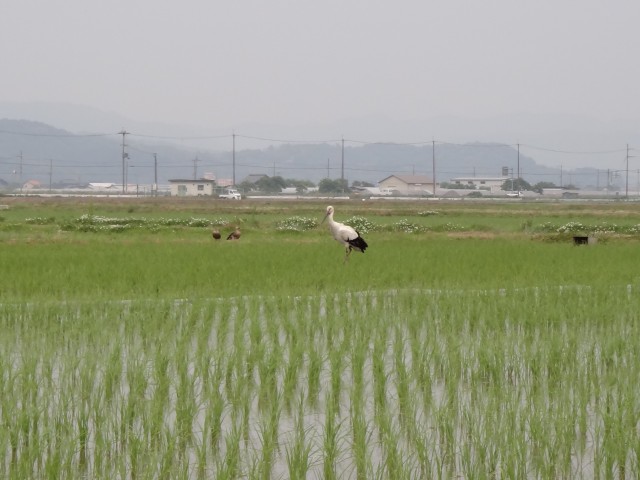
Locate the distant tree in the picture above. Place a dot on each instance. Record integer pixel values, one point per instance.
(271, 184)
(464, 186)
(516, 185)
(246, 186)
(295, 182)
(327, 185)
(538, 187)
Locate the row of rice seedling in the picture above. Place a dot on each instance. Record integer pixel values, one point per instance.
(511, 383)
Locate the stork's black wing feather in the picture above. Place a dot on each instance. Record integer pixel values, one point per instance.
(358, 243)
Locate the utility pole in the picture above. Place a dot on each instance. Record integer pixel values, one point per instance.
(21, 183)
(123, 132)
(433, 164)
(234, 158)
(518, 167)
(50, 173)
(195, 168)
(328, 169)
(626, 191)
(342, 167)
(155, 174)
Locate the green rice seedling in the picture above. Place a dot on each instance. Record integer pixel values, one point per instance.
(291, 373)
(246, 418)
(267, 434)
(201, 457)
(136, 452)
(160, 400)
(166, 460)
(137, 387)
(360, 436)
(358, 354)
(53, 464)
(298, 455)
(391, 463)
(185, 408)
(331, 446)
(113, 373)
(402, 378)
(213, 418)
(229, 467)
(314, 369)
(268, 374)
(269, 429)
(336, 365)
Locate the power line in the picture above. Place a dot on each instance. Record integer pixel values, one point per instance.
(287, 141)
(574, 152)
(161, 137)
(62, 135)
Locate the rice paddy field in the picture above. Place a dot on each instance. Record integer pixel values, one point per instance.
(471, 340)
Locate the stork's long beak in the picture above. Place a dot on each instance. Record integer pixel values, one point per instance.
(325, 217)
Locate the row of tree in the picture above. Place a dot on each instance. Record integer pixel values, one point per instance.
(277, 183)
(512, 185)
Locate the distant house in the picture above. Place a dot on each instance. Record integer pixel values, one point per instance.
(191, 188)
(492, 184)
(32, 184)
(225, 182)
(408, 184)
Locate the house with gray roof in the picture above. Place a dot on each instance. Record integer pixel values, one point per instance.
(412, 185)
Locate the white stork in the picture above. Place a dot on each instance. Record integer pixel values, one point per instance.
(345, 234)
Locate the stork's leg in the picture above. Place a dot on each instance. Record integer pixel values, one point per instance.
(347, 253)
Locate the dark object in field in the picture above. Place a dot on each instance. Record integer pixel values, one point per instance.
(584, 240)
(215, 233)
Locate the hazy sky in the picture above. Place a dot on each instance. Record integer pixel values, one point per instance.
(226, 63)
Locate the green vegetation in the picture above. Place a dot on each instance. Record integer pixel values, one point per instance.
(142, 348)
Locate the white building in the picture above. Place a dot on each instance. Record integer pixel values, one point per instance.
(191, 188)
(491, 184)
(419, 185)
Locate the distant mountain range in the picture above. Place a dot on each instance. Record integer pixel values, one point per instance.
(86, 147)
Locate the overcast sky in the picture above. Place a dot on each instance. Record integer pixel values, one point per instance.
(227, 63)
